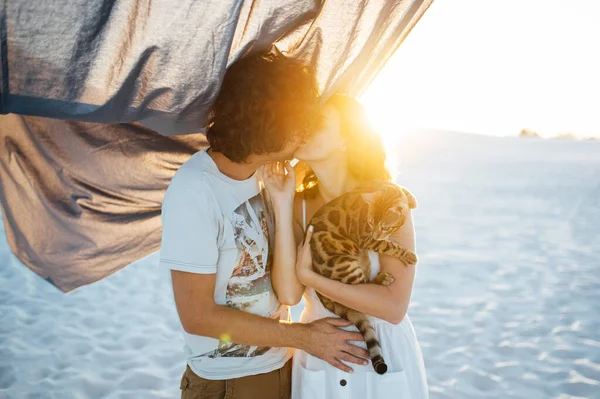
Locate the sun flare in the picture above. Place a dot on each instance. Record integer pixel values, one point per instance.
(461, 69)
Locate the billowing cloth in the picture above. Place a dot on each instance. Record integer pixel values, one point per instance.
(108, 98)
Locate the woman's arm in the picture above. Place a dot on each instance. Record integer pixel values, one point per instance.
(281, 187)
(286, 285)
(389, 303)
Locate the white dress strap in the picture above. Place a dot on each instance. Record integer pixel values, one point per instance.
(303, 214)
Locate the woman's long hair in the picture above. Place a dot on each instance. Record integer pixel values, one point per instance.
(364, 147)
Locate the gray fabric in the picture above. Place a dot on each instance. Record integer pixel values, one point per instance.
(128, 84)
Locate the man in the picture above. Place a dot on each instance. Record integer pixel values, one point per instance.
(218, 240)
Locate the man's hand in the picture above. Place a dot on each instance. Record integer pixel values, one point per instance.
(327, 341)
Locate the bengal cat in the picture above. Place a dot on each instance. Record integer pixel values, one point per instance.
(344, 230)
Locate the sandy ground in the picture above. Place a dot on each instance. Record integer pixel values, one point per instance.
(506, 302)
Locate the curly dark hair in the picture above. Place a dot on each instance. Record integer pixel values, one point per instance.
(265, 102)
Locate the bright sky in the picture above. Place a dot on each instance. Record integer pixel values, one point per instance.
(495, 67)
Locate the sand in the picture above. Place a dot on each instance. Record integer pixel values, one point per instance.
(506, 302)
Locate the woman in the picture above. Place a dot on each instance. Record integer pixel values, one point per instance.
(343, 153)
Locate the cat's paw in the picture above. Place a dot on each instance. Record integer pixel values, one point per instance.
(384, 279)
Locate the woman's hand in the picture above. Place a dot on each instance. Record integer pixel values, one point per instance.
(304, 268)
(280, 181)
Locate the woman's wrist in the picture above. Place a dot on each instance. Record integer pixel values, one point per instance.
(283, 206)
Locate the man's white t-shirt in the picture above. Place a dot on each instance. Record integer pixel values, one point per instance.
(215, 224)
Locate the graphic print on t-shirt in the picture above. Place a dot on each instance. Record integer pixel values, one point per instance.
(249, 288)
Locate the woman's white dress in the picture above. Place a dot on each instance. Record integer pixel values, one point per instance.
(313, 378)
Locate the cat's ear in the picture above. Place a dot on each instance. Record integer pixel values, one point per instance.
(412, 201)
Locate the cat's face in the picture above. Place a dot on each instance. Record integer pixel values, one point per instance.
(386, 213)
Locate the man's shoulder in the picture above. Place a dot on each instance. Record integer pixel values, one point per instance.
(197, 161)
(191, 177)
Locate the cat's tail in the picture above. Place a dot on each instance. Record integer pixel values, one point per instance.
(373, 346)
(364, 326)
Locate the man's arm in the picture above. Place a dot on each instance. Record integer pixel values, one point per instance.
(200, 315)
(189, 248)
